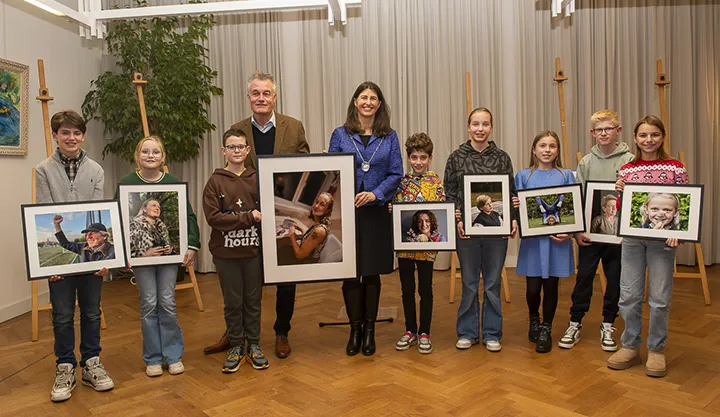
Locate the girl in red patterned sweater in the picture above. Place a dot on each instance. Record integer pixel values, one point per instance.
(651, 165)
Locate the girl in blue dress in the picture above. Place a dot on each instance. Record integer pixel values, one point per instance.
(543, 260)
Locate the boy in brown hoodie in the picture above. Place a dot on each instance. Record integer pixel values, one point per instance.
(229, 203)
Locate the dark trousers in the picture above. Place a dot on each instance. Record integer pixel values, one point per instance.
(407, 282)
(88, 289)
(588, 259)
(545, 290)
(284, 308)
(241, 282)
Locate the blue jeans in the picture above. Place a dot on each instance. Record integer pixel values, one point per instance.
(658, 257)
(161, 334)
(476, 255)
(62, 297)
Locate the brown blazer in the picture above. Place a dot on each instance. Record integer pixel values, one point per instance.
(289, 137)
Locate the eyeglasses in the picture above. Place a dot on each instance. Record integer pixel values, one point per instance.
(606, 130)
(233, 148)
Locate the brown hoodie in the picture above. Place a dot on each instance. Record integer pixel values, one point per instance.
(228, 200)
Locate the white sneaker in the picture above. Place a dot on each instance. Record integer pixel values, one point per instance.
(607, 342)
(408, 339)
(176, 368)
(94, 375)
(463, 344)
(64, 382)
(153, 370)
(571, 336)
(493, 345)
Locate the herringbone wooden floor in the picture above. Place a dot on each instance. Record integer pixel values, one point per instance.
(319, 380)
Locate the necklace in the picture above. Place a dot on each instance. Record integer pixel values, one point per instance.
(365, 165)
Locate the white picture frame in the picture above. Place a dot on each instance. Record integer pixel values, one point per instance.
(568, 214)
(407, 235)
(173, 213)
(288, 185)
(686, 226)
(495, 186)
(46, 256)
(597, 192)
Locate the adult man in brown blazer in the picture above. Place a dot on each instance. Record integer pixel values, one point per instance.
(270, 133)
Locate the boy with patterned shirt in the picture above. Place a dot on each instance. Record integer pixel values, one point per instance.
(420, 185)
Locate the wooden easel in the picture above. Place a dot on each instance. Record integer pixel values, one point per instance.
(44, 97)
(453, 256)
(601, 271)
(661, 81)
(139, 82)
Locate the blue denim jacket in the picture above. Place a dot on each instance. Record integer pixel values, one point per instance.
(386, 167)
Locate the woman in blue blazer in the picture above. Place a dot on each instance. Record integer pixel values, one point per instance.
(367, 134)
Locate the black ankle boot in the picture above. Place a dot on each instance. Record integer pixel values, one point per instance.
(368, 347)
(544, 341)
(356, 336)
(534, 330)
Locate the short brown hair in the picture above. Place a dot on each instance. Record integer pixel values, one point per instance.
(67, 118)
(234, 132)
(419, 142)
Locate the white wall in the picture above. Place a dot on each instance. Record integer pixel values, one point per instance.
(26, 34)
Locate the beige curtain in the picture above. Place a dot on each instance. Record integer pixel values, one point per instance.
(419, 50)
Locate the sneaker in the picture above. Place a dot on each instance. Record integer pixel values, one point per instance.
(235, 358)
(606, 337)
(492, 345)
(424, 346)
(624, 358)
(176, 368)
(655, 365)
(257, 358)
(64, 382)
(94, 375)
(407, 340)
(544, 341)
(534, 330)
(571, 336)
(463, 344)
(153, 370)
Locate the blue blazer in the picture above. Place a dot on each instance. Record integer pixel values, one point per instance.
(386, 167)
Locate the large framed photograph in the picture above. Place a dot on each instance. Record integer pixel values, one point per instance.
(308, 226)
(551, 210)
(601, 212)
(72, 238)
(154, 219)
(14, 79)
(428, 226)
(662, 211)
(487, 205)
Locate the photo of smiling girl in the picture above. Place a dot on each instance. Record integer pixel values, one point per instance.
(660, 211)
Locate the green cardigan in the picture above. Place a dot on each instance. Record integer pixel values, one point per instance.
(193, 230)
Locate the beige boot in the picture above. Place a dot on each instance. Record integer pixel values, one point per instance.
(624, 358)
(655, 365)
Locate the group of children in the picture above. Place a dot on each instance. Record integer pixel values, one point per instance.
(229, 205)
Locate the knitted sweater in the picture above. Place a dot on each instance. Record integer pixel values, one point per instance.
(656, 171)
(52, 184)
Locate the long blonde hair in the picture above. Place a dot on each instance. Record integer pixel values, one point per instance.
(138, 148)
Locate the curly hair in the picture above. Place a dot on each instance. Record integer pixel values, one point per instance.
(325, 219)
(419, 142)
(644, 208)
(416, 218)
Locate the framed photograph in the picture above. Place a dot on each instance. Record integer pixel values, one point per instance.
(13, 108)
(72, 238)
(428, 226)
(551, 210)
(601, 212)
(308, 226)
(154, 219)
(662, 211)
(487, 205)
